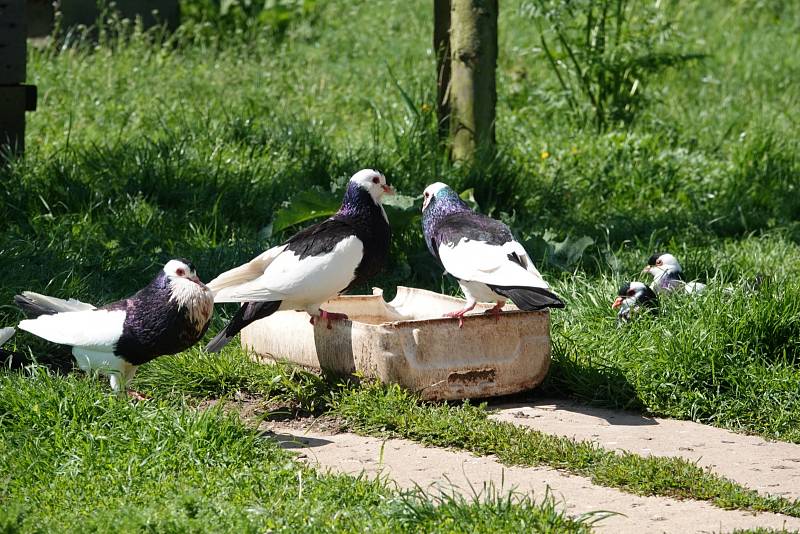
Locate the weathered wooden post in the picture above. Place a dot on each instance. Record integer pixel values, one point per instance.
(471, 94)
(15, 97)
(441, 47)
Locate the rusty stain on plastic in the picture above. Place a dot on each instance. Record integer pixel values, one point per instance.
(408, 342)
(473, 376)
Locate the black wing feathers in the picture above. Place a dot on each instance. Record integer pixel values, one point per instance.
(529, 298)
(321, 238)
(473, 226)
(248, 313)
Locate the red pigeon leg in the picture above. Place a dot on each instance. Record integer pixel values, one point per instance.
(497, 310)
(460, 314)
(331, 316)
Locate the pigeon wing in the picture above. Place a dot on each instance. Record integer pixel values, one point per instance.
(476, 248)
(315, 264)
(91, 328)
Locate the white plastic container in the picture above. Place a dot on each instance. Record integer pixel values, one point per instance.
(408, 342)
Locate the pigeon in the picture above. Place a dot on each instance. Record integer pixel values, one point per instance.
(482, 254)
(167, 316)
(5, 334)
(668, 275)
(632, 298)
(313, 265)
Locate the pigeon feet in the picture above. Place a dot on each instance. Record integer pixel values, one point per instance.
(460, 315)
(496, 310)
(135, 395)
(328, 316)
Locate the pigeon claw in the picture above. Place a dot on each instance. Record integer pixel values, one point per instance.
(496, 310)
(135, 395)
(459, 314)
(328, 316)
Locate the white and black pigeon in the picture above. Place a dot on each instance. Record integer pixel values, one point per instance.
(482, 254)
(167, 316)
(668, 275)
(633, 298)
(313, 265)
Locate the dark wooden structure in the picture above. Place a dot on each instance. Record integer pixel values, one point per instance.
(15, 97)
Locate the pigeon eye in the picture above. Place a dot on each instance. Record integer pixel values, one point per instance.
(180, 272)
(659, 262)
(376, 180)
(427, 195)
(631, 292)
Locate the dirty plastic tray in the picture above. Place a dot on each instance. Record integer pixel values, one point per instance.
(408, 342)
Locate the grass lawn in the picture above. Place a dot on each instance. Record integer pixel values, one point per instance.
(148, 146)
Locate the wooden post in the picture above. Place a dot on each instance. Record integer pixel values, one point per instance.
(472, 94)
(441, 46)
(15, 97)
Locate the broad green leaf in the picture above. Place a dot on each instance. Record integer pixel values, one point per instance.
(305, 206)
(468, 196)
(400, 201)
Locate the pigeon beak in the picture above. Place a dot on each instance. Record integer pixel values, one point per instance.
(646, 269)
(617, 303)
(388, 189)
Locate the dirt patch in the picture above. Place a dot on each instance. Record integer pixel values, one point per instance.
(255, 411)
(409, 464)
(767, 466)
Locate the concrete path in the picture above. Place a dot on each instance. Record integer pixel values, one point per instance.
(769, 467)
(410, 464)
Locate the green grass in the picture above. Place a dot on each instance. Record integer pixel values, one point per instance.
(148, 145)
(73, 458)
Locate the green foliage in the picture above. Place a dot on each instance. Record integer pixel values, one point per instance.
(149, 145)
(715, 357)
(306, 206)
(605, 54)
(246, 18)
(230, 374)
(74, 458)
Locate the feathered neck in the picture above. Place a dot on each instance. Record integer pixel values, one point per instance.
(444, 203)
(358, 202)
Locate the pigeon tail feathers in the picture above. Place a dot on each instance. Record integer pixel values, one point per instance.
(34, 304)
(5, 334)
(529, 298)
(248, 313)
(247, 272)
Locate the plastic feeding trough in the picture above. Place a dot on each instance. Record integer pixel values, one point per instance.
(408, 342)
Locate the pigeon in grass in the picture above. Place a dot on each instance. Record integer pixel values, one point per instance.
(313, 265)
(167, 316)
(668, 275)
(482, 255)
(633, 298)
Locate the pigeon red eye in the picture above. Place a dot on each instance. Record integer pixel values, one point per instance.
(659, 262)
(180, 272)
(376, 180)
(427, 195)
